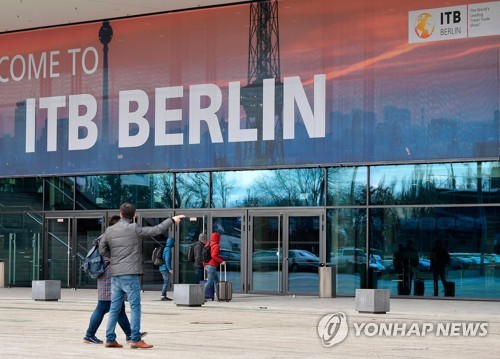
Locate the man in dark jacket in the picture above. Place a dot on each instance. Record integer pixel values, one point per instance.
(439, 260)
(122, 244)
(198, 262)
(211, 266)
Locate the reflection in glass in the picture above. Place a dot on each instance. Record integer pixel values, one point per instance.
(110, 191)
(21, 194)
(269, 188)
(59, 193)
(230, 244)
(58, 256)
(152, 278)
(346, 247)
(21, 246)
(87, 230)
(303, 254)
(266, 255)
(469, 234)
(192, 190)
(445, 183)
(189, 230)
(347, 186)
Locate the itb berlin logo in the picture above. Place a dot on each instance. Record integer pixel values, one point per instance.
(333, 329)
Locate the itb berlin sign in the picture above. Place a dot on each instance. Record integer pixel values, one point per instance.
(456, 22)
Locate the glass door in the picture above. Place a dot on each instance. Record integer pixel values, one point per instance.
(190, 228)
(231, 227)
(86, 231)
(284, 251)
(303, 231)
(59, 260)
(68, 240)
(152, 279)
(265, 252)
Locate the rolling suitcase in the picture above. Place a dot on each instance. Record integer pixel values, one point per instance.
(225, 288)
(449, 289)
(419, 288)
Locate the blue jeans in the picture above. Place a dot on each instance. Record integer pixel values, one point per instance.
(97, 316)
(198, 274)
(212, 278)
(121, 285)
(166, 282)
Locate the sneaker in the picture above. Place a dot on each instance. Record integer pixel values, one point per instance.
(129, 339)
(92, 340)
(165, 299)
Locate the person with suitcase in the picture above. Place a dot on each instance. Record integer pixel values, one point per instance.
(211, 260)
(439, 260)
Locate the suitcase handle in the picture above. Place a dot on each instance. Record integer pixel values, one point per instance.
(225, 273)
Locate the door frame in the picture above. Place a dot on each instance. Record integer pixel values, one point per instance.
(71, 243)
(283, 239)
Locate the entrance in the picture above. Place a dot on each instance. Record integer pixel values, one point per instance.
(67, 241)
(252, 245)
(284, 251)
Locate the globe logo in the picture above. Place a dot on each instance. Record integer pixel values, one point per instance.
(333, 329)
(424, 26)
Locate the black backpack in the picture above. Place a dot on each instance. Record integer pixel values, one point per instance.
(190, 254)
(157, 256)
(93, 264)
(206, 254)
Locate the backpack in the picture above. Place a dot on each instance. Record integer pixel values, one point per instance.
(206, 254)
(157, 256)
(93, 264)
(190, 253)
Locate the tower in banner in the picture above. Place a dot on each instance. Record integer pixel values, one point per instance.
(105, 36)
(263, 63)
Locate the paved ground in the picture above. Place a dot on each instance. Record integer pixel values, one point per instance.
(251, 326)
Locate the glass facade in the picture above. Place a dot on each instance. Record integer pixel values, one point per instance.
(371, 212)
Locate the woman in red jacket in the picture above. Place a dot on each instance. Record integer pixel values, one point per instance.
(213, 263)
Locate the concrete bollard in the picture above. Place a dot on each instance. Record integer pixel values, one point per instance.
(190, 295)
(373, 300)
(46, 289)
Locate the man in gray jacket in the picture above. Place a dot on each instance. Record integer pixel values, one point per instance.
(122, 244)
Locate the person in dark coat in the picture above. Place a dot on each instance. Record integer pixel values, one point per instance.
(440, 258)
(397, 260)
(410, 265)
(198, 262)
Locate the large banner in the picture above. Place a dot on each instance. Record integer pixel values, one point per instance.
(267, 84)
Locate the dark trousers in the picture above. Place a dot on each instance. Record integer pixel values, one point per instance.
(438, 273)
(407, 278)
(198, 274)
(100, 311)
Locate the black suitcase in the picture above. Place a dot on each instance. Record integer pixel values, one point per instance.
(210, 292)
(225, 288)
(449, 289)
(419, 287)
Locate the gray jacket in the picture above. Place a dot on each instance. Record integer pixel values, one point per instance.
(122, 244)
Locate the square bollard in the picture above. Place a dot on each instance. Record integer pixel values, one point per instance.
(46, 289)
(373, 300)
(190, 295)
